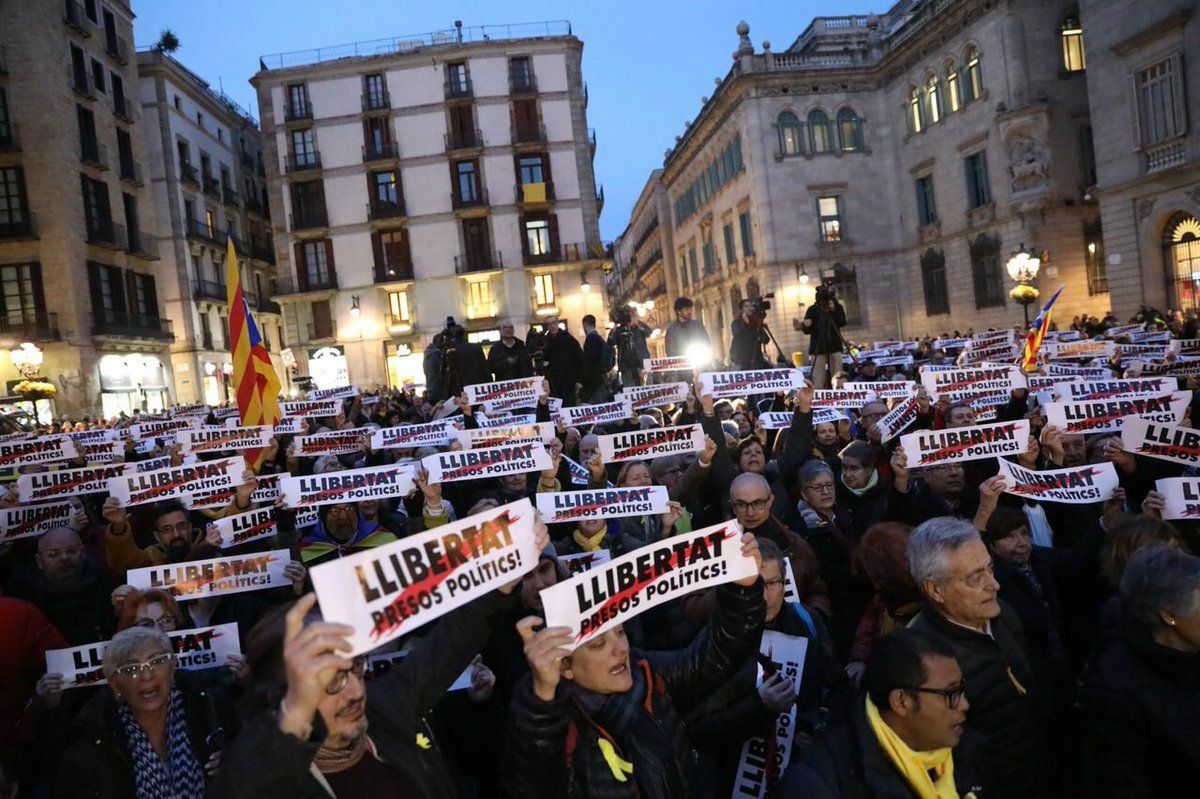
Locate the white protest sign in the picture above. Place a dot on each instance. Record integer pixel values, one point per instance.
(103, 435)
(1150, 336)
(44, 449)
(951, 343)
(675, 363)
(577, 562)
(242, 528)
(828, 416)
(482, 437)
(1077, 390)
(782, 420)
(608, 595)
(1123, 330)
(413, 436)
(750, 381)
(1074, 486)
(288, 426)
(903, 361)
(764, 759)
(40, 486)
(522, 389)
(574, 416)
(27, 521)
(195, 649)
(229, 574)
(898, 419)
(349, 485)
(267, 488)
(842, 398)
(223, 414)
(199, 409)
(1070, 350)
(505, 419)
(1108, 416)
(380, 664)
(391, 590)
(213, 499)
(176, 481)
(310, 409)
(885, 389)
(650, 443)
(101, 452)
(163, 429)
(79, 665)
(960, 444)
(603, 503)
(473, 464)
(215, 439)
(1182, 495)
(1082, 372)
(1163, 441)
(958, 383)
(579, 475)
(1185, 346)
(1177, 368)
(653, 396)
(330, 442)
(339, 393)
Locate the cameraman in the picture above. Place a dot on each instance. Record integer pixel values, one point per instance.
(452, 362)
(564, 359)
(629, 339)
(823, 322)
(686, 331)
(749, 337)
(509, 358)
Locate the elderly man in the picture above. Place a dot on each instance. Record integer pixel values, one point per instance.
(69, 588)
(940, 490)
(564, 360)
(508, 358)
(953, 568)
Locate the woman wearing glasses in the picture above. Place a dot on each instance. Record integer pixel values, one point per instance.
(149, 735)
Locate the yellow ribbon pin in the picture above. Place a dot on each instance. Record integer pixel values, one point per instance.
(618, 766)
(422, 741)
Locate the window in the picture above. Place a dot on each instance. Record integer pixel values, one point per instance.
(719, 171)
(79, 71)
(139, 296)
(707, 253)
(1087, 154)
(89, 7)
(297, 94)
(543, 289)
(479, 300)
(530, 169)
(730, 252)
(107, 295)
(178, 103)
(394, 257)
(829, 218)
(926, 207)
(979, 191)
(226, 181)
(199, 120)
(398, 307)
(374, 92)
(6, 130)
(849, 130)
(845, 281)
(88, 142)
(914, 117)
(950, 70)
(466, 181)
(185, 154)
(1072, 44)
(537, 236)
(210, 222)
(385, 189)
(789, 134)
(308, 204)
(14, 210)
(20, 293)
(681, 259)
(820, 138)
(129, 203)
(693, 266)
(1094, 258)
(316, 262)
(304, 152)
(933, 280)
(96, 210)
(520, 72)
(933, 100)
(525, 120)
(456, 78)
(744, 230)
(377, 133)
(205, 166)
(986, 271)
(973, 80)
(1161, 109)
(98, 76)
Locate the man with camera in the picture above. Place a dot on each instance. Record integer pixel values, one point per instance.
(686, 332)
(749, 331)
(452, 362)
(823, 322)
(629, 336)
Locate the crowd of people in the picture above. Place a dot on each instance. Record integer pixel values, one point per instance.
(961, 640)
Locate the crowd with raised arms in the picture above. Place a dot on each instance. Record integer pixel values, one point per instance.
(604, 574)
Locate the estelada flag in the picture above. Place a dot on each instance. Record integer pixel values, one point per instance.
(1033, 339)
(255, 383)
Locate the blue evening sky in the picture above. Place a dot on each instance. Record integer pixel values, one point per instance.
(647, 63)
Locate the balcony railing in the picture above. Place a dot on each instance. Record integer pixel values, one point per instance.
(376, 101)
(397, 325)
(247, 159)
(30, 326)
(209, 290)
(212, 187)
(93, 153)
(123, 108)
(230, 197)
(464, 140)
(131, 173)
(528, 134)
(534, 193)
(380, 151)
(519, 83)
(206, 341)
(458, 88)
(10, 138)
(107, 322)
(390, 271)
(25, 228)
(104, 233)
(552, 255)
(240, 246)
(189, 173)
(252, 204)
(476, 200)
(478, 262)
(382, 210)
(143, 245)
(318, 332)
(300, 162)
(269, 306)
(202, 230)
(77, 18)
(117, 47)
(262, 250)
(294, 112)
(309, 220)
(81, 82)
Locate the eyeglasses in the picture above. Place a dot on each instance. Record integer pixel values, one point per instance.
(772, 583)
(338, 683)
(181, 527)
(133, 671)
(953, 696)
(754, 504)
(162, 623)
(822, 487)
(945, 467)
(55, 554)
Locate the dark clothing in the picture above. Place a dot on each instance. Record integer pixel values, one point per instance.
(631, 349)
(919, 504)
(825, 334)
(682, 335)
(745, 351)
(866, 508)
(470, 364)
(1033, 596)
(84, 615)
(564, 360)
(509, 362)
(370, 777)
(1141, 708)
(554, 747)
(592, 377)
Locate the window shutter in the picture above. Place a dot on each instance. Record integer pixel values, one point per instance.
(330, 262)
(404, 255)
(301, 267)
(1178, 98)
(151, 296)
(554, 235)
(1135, 111)
(93, 270)
(377, 249)
(39, 292)
(547, 175)
(131, 293)
(521, 221)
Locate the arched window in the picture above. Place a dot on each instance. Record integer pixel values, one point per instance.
(789, 134)
(913, 113)
(1072, 44)
(820, 138)
(933, 100)
(973, 79)
(953, 95)
(1181, 243)
(849, 130)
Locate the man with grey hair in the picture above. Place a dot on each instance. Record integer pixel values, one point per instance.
(953, 569)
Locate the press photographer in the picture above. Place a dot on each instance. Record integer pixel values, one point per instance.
(452, 362)
(628, 338)
(823, 322)
(750, 334)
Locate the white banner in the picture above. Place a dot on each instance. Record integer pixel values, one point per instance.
(228, 412)
(1070, 350)
(958, 383)
(1123, 330)
(1077, 390)
(655, 395)
(750, 381)
(521, 389)
(229, 574)
(1081, 372)
(1108, 416)
(330, 442)
(102, 435)
(1074, 486)
(960, 444)
(505, 419)
(349, 485)
(483, 437)
(898, 419)
(413, 436)
(287, 426)
(40, 486)
(391, 590)
(600, 599)
(45, 449)
(176, 481)
(782, 420)
(27, 521)
(195, 649)
(1178, 368)
(267, 488)
(574, 416)
(675, 363)
(164, 429)
(473, 464)
(885, 389)
(339, 393)
(215, 439)
(243, 528)
(903, 361)
(604, 503)
(1183, 497)
(756, 777)
(578, 562)
(380, 664)
(513, 402)
(1163, 441)
(579, 475)
(310, 409)
(951, 343)
(1185, 346)
(842, 398)
(199, 409)
(646, 444)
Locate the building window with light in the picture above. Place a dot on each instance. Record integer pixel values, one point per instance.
(926, 204)
(849, 130)
(479, 300)
(953, 97)
(820, 138)
(789, 134)
(913, 114)
(400, 315)
(829, 218)
(1074, 59)
(1161, 102)
(986, 271)
(543, 290)
(933, 100)
(537, 236)
(973, 79)
(1094, 259)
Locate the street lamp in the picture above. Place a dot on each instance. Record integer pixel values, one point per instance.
(1023, 267)
(27, 359)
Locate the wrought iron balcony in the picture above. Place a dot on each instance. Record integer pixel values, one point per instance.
(377, 209)
(93, 153)
(20, 229)
(464, 140)
(30, 326)
(269, 306)
(106, 322)
(205, 232)
(390, 269)
(209, 290)
(230, 197)
(294, 112)
(301, 162)
(117, 47)
(103, 233)
(123, 108)
(552, 255)
(528, 134)
(380, 151)
(458, 88)
(478, 262)
(131, 173)
(143, 245)
(247, 159)
(522, 83)
(76, 18)
(308, 220)
(80, 82)
(212, 187)
(374, 101)
(477, 199)
(189, 173)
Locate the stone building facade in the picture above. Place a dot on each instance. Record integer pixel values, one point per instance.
(902, 158)
(424, 177)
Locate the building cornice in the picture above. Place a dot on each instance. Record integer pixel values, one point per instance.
(1153, 31)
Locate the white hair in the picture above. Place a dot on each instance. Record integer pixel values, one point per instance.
(129, 641)
(931, 543)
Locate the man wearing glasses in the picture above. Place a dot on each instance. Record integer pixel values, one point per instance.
(174, 537)
(907, 737)
(69, 588)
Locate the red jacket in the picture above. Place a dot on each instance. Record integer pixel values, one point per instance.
(25, 635)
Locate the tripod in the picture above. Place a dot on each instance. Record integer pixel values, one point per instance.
(771, 336)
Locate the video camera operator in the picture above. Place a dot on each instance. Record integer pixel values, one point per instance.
(823, 321)
(452, 362)
(750, 335)
(628, 337)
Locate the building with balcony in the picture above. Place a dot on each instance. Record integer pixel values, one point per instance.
(80, 274)
(209, 181)
(460, 184)
(639, 278)
(903, 157)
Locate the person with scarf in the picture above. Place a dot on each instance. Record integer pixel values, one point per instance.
(605, 720)
(640, 530)
(341, 530)
(862, 492)
(149, 735)
(907, 737)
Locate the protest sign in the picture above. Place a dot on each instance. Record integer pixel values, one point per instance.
(960, 444)
(1145, 352)
(79, 665)
(1163, 441)
(842, 398)
(473, 464)
(1185, 346)
(1107, 416)
(574, 416)
(885, 389)
(229, 574)
(267, 489)
(199, 409)
(750, 381)
(194, 649)
(289, 426)
(101, 452)
(608, 595)
(306, 517)
(176, 481)
(164, 429)
(213, 499)
(1182, 495)
(646, 444)
(339, 393)
(676, 363)
(103, 435)
(583, 561)
(782, 420)
(975, 355)
(1081, 372)
(27, 521)
(482, 437)
(655, 395)
(1123, 330)
(310, 409)
(413, 436)
(245, 527)
(951, 343)
(1074, 486)
(898, 419)
(903, 361)
(513, 402)
(40, 486)
(229, 412)
(1176, 368)
(991, 337)
(505, 419)
(765, 758)
(348, 485)
(980, 381)
(44, 449)
(828, 416)
(579, 475)
(523, 389)
(391, 590)
(329, 442)
(215, 439)
(1150, 337)
(1072, 350)
(603, 503)
(1106, 389)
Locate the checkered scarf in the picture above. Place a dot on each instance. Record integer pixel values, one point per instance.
(178, 778)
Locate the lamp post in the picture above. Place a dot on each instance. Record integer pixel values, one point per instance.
(1023, 267)
(27, 359)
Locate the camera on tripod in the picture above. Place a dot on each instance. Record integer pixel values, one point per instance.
(535, 342)
(759, 307)
(826, 294)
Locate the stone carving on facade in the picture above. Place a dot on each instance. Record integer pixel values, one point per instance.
(1025, 136)
(1193, 195)
(1027, 165)
(1144, 208)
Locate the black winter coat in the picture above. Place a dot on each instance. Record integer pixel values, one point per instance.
(554, 749)
(84, 615)
(509, 363)
(867, 508)
(564, 359)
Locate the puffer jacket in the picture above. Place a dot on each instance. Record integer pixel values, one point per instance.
(554, 747)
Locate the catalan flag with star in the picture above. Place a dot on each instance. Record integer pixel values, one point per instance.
(255, 383)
